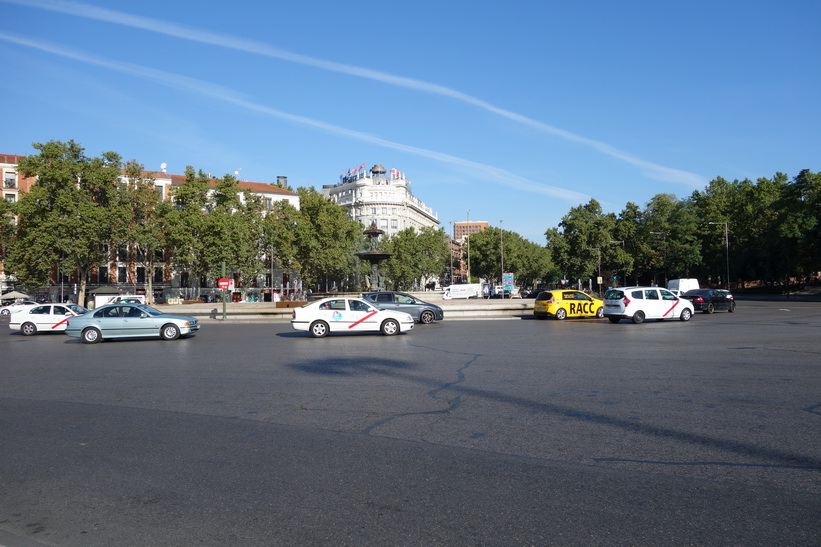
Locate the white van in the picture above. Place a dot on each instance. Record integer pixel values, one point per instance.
(681, 286)
(464, 290)
(103, 299)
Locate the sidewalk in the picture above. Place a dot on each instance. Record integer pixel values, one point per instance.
(269, 312)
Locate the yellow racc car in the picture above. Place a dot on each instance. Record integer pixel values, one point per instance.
(562, 304)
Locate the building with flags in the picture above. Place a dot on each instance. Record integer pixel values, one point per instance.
(382, 197)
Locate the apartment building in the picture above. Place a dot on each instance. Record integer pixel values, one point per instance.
(382, 197)
(121, 271)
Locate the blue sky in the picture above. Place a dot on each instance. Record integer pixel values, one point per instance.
(513, 111)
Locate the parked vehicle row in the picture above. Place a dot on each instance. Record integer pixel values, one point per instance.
(634, 303)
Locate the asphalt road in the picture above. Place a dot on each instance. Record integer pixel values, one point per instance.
(495, 432)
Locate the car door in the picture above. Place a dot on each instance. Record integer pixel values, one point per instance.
(59, 317)
(408, 304)
(137, 323)
(361, 316)
(584, 305)
(386, 301)
(719, 300)
(335, 314)
(653, 305)
(109, 321)
(671, 304)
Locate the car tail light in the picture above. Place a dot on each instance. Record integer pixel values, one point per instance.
(293, 314)
(626, 301)
(698, 299)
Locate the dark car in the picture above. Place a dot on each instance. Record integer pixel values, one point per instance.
(421, 311)
(710, 300)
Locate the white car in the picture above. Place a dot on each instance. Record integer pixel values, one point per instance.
(11, 308)
(640, 303)
(347, 314)
(44, 318)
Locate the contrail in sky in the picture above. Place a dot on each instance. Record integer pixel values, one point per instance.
(652, 170)
(228, 95)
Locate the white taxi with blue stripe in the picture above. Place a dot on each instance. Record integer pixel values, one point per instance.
(348, 314)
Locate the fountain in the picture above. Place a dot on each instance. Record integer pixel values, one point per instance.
(376, 281)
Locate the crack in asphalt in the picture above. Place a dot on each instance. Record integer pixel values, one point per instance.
(452, 403)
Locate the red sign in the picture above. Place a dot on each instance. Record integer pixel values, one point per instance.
(223, 283)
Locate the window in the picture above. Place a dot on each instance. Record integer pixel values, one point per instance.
(384, 210)
(102, 274)
(383, 223)
(373, 210)
(140, 274)
(393, 211)
(394, 223)
(158, 277)
(11, 197)
(651, 294)
(121, 275)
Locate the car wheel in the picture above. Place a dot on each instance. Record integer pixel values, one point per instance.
(426, 317)
(390, 327)
(28, 329)
(600, 313)
(561, 314)
(170, 332)
(638, 317)
(686, 314)
(319, 329)
(5, 312)
(709, 309)
(731, 309)
(91, 336)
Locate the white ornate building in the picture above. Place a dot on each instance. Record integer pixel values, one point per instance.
(382, 197)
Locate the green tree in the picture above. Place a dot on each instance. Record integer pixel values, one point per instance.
(416, 257)
(187, 223)
(326, 251)
(70, 213)
(576, 246)
(147, 230)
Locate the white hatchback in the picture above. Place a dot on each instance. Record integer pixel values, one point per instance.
(640, 303)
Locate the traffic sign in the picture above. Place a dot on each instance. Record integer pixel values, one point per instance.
(223, 283)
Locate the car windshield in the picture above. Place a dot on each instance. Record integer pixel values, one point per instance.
(149, 310)
(614, 294)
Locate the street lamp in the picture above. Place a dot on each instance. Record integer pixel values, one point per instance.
(467, 242)
(664, 243)
(726, 249)
(502, 251)
(450, 250)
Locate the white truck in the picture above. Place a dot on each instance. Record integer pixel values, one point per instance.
(681, 286)
(464, 290)
(103, 299)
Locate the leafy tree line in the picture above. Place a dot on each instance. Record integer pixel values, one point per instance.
(83, 214)
(772, 229)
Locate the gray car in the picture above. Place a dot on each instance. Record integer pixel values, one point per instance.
(421, 311)
(129, 321)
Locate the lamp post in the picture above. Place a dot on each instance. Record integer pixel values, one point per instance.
(502, 252)
(726, 249)
(450, 251)
(467, 242)
(664, 243)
